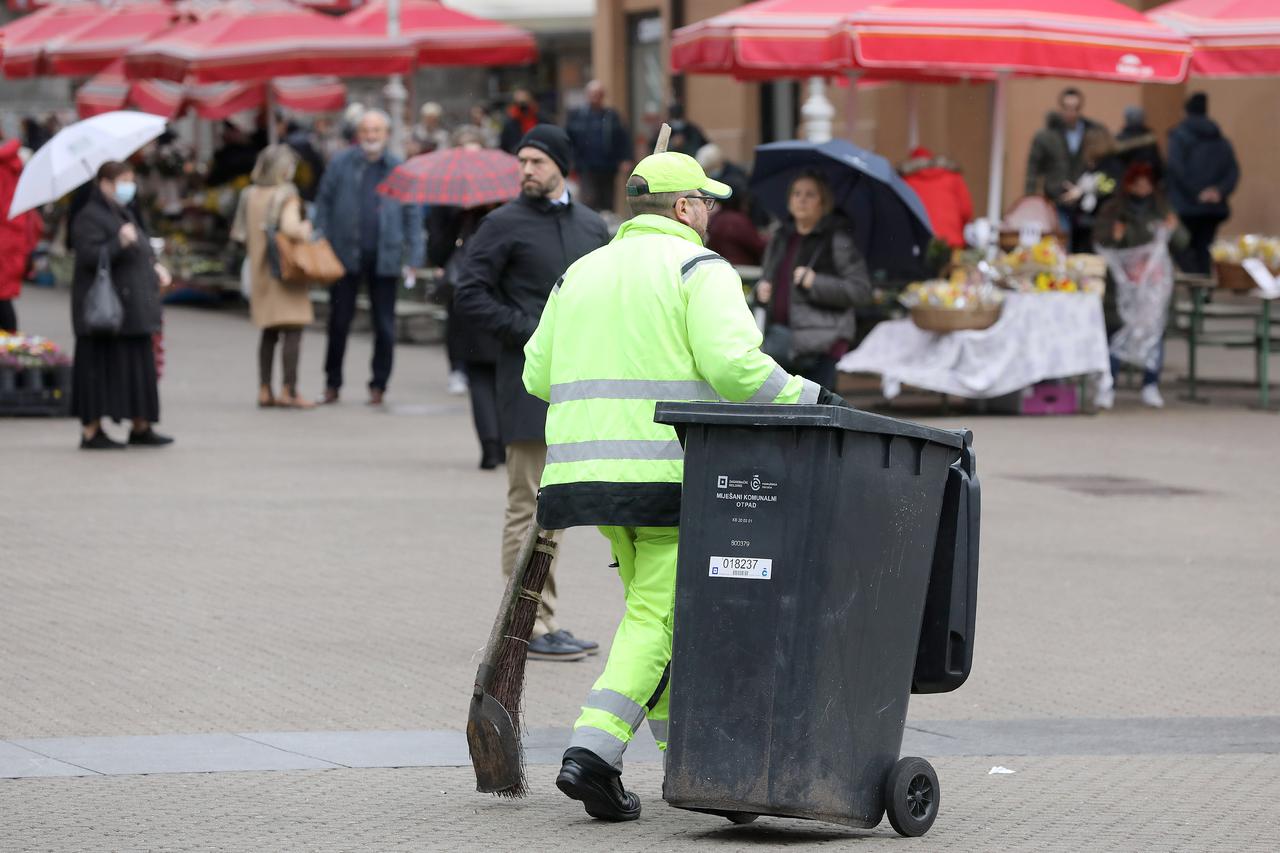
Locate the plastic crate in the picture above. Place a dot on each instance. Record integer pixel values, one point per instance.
(35, 391)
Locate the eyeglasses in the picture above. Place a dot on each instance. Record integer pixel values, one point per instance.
(705, 199)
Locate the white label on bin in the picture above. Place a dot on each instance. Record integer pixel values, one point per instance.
(749, 568)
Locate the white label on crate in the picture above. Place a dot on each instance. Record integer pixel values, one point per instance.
(747, 568)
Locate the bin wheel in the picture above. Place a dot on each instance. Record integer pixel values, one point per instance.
(911, 796)
(741, 818)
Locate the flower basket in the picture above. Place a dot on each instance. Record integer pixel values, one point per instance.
(942, 320)
(1233, 276)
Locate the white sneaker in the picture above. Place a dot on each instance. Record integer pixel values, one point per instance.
(1151, 397)
(1105, 398)
(457, 383)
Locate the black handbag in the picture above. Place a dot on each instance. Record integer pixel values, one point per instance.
(103, 310)
(778, 344)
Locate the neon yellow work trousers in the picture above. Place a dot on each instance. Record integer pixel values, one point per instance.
(634, 684)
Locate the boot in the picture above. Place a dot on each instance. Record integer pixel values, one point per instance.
(588, 778)
(492, 454)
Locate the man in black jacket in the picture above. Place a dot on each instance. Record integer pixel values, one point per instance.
(1202, 173)
(514, 259)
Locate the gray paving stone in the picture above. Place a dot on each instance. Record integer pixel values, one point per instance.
(17, 762)
(204, 753)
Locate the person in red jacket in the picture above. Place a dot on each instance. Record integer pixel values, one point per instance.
(18, 236)
(942, 189)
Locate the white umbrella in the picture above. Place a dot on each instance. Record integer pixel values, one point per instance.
(73, 156)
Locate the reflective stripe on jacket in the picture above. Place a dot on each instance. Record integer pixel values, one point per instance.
(652, 316)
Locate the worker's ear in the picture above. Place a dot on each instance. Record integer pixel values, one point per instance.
(684, 211)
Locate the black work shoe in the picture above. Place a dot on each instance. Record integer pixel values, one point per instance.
(589, 779)
(552, 647)
(100, 441)
(149, 438)
(591, 647)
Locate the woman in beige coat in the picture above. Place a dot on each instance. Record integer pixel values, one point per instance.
(281, 310)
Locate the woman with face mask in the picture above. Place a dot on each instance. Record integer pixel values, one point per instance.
(114, 375)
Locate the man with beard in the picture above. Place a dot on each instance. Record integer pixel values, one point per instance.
(512, 262)
(378, 240)
(652, 316)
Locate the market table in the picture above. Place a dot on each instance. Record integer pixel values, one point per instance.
(1039, 336)
(1256, 312)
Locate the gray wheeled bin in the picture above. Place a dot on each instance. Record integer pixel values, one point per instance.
(828, 567)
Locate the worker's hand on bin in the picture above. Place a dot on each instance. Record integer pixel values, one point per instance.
(827, 398)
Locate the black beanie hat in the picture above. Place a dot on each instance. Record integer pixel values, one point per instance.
(553, 142)
(1198, 104)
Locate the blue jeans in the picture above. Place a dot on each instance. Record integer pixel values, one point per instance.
(1149, 377)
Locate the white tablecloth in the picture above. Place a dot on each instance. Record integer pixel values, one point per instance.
(1039, 336)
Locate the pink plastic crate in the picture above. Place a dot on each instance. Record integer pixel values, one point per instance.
(1052, 398)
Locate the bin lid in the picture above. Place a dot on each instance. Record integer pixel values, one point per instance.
(783, 415)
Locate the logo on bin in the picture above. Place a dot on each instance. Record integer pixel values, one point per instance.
(755, 482)
(722, 482)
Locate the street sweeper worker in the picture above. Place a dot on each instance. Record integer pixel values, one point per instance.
(651, 316)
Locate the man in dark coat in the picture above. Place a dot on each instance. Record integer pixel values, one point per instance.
(601, 148)
(521, 117)
(1202, 174)
(512, 262)
(1136, 143)
(1056, 160)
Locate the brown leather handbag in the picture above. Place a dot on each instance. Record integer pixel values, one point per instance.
(307, 262)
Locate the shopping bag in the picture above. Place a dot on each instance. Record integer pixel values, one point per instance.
(1143, 278)
(103, 311)
(307, 261)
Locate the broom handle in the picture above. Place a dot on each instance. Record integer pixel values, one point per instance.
(484, 675)
(664, 138)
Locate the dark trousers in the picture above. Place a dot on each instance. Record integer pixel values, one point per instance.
(382, 313)
(598, 189)
(817, 368)
(482, 382)
(1203, 229)
(292, 338)
(8, 317)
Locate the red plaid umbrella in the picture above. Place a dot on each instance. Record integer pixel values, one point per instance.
(257, 42)
(1230, 38)
(444, 36)
(459, 177)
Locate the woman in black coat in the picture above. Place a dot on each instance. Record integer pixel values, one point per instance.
(813, 277)
(114, 375)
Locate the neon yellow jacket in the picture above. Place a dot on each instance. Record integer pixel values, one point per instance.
(651, 316)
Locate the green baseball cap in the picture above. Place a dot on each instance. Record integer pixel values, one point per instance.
(673, 172)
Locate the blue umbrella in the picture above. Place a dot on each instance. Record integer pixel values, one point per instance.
(890, 225)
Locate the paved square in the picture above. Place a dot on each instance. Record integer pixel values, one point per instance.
(277, 579)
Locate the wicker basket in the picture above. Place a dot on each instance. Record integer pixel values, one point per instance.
(1233, 276)
(932, 319)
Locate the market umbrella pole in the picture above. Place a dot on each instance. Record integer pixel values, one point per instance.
(995, 185)
(395, 92)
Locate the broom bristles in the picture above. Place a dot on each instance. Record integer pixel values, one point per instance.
(509, 670)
